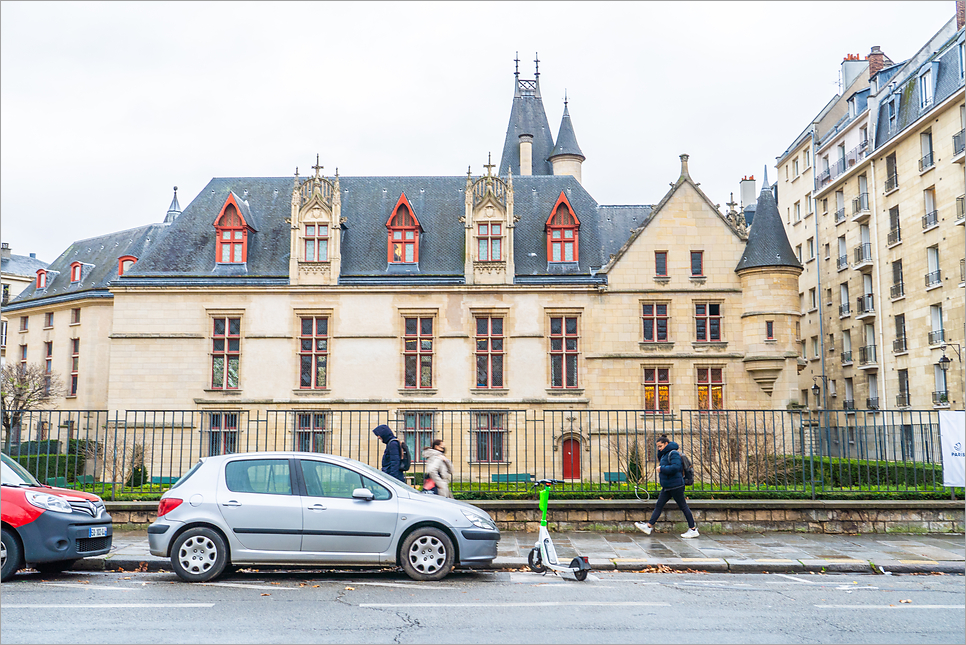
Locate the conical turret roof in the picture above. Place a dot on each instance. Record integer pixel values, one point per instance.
(566, 139)
(174, 209)
(767, 244)
(527, 116)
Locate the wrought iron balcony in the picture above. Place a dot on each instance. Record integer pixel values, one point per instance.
(899, 345)
(860, 204)
(933, 278)
(872, 403)
(862, 254)
(840, 215)
(959, 142)
(894, 237)
(960, 208)
(842, 263)
(865, 305)
(930, 219)
(926, 162)
(844, 309)
(937, 337)
(902, 400)
(848, 404)
(847, 358)
(867, 355)
(891, 182)
(897, 290)
(823, 178)
(940, 398)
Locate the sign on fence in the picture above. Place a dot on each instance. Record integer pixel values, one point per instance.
(952, 431)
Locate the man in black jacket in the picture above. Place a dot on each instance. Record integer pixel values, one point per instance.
(392, 455)
(671, 472)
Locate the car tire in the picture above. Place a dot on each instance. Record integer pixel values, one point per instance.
(199, 555)
(11, 555)
(53, 567)
(427, 554)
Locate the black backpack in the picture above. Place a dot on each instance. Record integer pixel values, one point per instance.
(405, 461)
(688, 469)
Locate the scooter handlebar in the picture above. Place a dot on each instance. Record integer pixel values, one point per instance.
(550, 482)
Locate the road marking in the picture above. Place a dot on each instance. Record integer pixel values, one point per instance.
(776, 560)
(76, 585)
(398, 584)
(918, 562)
(851, 587)
(244, 586)
(903, 606)
(796, 579)
(133, 605)
(515, 604)
(701, 560)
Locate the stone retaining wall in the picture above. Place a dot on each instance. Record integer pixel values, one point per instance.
(712, 516)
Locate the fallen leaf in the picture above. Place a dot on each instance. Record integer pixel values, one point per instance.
(905, 601)
(313, 586)
(266, 594)
(127, 577)
(350, 588)
(86, 582)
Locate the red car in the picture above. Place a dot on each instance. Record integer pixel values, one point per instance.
(48, 528)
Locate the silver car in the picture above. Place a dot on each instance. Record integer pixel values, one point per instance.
(310, 509)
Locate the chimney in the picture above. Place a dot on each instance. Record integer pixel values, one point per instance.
(960, 14)
(876, 60)
(526, 154)
(852, 66)
(749, 195)
(5, 251)
(33, 255)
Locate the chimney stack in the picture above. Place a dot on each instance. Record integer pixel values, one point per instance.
(526, 154)
(960, 14)
(852, 66)
(749, 195)
(5, 251)
(876, 61)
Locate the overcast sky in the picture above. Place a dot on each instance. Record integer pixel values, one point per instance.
(105, 106)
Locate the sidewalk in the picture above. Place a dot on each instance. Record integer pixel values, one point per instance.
(736, 553)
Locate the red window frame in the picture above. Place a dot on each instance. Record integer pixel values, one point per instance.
(124, 260)
(313, 352)
(316, 243)
(74, 364)
(657, 389)
(490, 242)
(489, 352)
(660, 263)
(489, 430)
(563, 232)
(75, 316)
(404, 230)
(699, 256)
(76, 269)
(710, 388)
(41, 279)
(225, 353)
(418, 343)
(231, 231)
(48, 364)
(564, 352)
(23, 356)
(222, 433)
(655, 322)
(707, 322)
(24, 322)
(310, 431)
(48, 319)
(770, 330)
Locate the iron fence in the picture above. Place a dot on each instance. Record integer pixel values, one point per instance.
(812, 452)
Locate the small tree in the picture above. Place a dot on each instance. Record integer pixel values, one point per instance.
(24, 388)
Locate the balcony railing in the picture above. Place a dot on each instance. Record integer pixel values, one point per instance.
(959, 142)
(902, 400)
(926, 162)
(848, 404)
(867, 355)
(937, 337)
(865, 304)
(933, 278)
(891, 182)
(872, 403)
(930, 219)
(962, 270)
(823, 178)
(940, 398)
(847, 358)
(899, 345)
(840, 215)
(860, 204)
(894, 237)
(854, 156)
(960, 207)
(842, 262)
(897, 290)
(844, 309)
(862, 254)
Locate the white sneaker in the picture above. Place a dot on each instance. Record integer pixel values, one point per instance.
(691, 533)
(643, 526)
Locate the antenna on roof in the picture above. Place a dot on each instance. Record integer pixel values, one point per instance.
(536, 60)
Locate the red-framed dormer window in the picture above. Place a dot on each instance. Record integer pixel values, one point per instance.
(41, 279)
(403, 233)
(232, 232)
(124, 264)
(562, 232)
(75, 271)
(490, 238)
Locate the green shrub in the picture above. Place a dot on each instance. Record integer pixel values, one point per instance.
(45, 466)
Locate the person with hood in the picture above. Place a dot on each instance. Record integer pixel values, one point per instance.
(671, 472)
(439, 467)
(392, 455)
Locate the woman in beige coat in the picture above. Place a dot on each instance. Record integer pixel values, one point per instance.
(439, 467)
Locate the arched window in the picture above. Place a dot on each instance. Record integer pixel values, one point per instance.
(41, 279)
(562, 233)
(75, 271)
(124, 264)
(403, 234)
(232, 235)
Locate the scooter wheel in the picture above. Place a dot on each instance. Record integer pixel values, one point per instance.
(534, 561)
(580, 574)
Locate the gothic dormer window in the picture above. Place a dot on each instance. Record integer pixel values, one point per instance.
(232, 233)
(124, 264)
(403, 234)
(75, 272)
(316, 242)
(490, 240)
(41, 279)
(562, 232)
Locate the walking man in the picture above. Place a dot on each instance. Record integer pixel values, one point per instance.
(392, 455)
(671, 472)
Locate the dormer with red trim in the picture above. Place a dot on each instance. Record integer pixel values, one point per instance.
(404, 230)
(232, 229)
(124, 264)
(76, 269)
(41, 279)
(563, 230)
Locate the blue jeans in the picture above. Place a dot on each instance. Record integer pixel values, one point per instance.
(678, 495)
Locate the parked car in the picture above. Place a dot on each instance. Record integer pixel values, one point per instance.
(311, 509)
(48, 528)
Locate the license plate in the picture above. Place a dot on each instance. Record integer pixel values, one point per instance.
(98, 531)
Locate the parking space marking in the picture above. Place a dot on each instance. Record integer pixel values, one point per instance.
(239, 585)
(77, 585)
(903, 606)
(796, 579)
(403, 585)
(114, 605)
(564, 603)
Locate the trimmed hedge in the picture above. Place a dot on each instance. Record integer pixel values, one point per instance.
(835, 472)
(44, 466)
(52, 446)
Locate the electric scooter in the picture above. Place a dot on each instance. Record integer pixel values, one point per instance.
(543, 556)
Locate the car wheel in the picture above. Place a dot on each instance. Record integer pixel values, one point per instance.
(11, 555)
(427, 554)
(53, 567)
(199, 554)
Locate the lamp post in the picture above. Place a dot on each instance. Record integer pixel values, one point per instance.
(944, 364)
(816, 389)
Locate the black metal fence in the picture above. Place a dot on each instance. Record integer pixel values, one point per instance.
(802, 451)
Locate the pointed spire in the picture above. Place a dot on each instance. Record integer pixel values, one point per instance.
(536, 61)
(767, 244)
(566, 139)
(527, 116)
(516, 60)
(764, 183)
(174, 209)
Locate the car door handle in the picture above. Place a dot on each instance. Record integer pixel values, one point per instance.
(232, 503)
(317, 507)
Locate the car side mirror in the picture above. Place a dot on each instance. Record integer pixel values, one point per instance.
(363, 494)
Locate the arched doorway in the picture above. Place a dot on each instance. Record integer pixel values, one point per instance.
(571, 458)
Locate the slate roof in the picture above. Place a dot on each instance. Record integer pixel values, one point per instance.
(767, 244)
(616, 223)
(566, 139)
(100, 255)
(22, 265)
(527, 116)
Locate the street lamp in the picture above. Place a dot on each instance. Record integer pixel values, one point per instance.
(817, 390)
(944, 364)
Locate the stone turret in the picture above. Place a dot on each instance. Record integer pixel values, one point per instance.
(527, 117)
(566, 156)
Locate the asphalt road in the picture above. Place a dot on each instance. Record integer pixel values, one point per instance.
(486, 607)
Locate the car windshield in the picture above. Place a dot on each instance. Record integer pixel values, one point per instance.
(14, 474)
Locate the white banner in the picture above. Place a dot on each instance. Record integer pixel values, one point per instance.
(952, 432)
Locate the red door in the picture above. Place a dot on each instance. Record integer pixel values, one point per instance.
(571, 459)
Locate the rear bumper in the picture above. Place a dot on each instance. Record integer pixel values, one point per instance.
(159, 537)
(62, 536)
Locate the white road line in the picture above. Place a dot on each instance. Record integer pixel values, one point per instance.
(77, 585)
(244, 586)
(133, 605)
(403, 585)
(902, 606)
(515, 604)
(797, 579)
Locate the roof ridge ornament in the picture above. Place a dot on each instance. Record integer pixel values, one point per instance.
(517, 61)
(684, 167)
(764, 181)
(536, 61)
(317, 167)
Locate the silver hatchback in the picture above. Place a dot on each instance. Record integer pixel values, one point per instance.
(311, 509)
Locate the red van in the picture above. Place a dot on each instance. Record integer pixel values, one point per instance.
(47, 528)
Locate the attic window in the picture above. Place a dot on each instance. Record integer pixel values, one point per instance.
(232, 234)
(316, 243)
(124, 264)
(75, 272)
(41, 279)
(925, 89)
(562, 233)
(403, 234)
